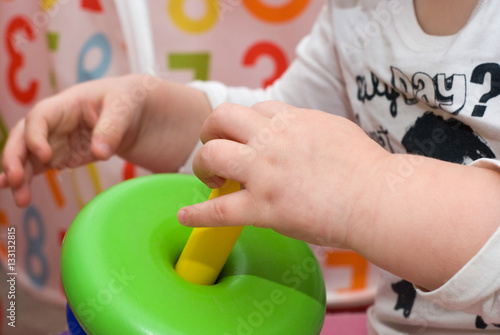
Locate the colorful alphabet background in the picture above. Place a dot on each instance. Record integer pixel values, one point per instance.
(50, 45)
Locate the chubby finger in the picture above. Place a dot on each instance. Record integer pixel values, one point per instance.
(21, 192)
(220, 159)
(61, 114)
(233, 122)
(115, 119)
(22, 195)
(44, 117)
(14, 155)
(235, 209)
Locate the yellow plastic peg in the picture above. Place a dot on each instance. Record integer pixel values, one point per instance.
(207, 249)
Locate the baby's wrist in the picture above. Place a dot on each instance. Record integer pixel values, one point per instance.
(367, 201)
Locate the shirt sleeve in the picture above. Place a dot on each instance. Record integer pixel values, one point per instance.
(475, 289)
(312, 81)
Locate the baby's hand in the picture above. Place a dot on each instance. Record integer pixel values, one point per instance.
(82, 124)
(304, 173)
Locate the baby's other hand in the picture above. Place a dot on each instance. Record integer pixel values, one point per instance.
(87, 122)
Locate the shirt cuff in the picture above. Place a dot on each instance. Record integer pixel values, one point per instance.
(187, 168)
(215, 91)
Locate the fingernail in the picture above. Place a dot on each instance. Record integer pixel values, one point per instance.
(181, 216)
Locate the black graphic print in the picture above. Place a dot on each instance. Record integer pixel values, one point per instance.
(381, 136)
(449, 140)
(441, 91)
(480, 324)
(374, 87)
(437, 92)
(478, 77)
(406, 296)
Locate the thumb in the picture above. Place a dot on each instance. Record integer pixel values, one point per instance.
(114, 121)
(233, 209)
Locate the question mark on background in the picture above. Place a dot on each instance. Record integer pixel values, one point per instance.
(271, 50)
(478, 75)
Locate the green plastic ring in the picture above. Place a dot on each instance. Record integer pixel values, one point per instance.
(117, 270)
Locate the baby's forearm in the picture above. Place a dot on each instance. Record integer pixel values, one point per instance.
(427, 218)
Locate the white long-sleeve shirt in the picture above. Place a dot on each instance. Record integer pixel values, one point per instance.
(412, 93)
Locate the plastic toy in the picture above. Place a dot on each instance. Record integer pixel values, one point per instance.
(118, 273)
(197, 265)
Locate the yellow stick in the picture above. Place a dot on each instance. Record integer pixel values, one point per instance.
(207, 249)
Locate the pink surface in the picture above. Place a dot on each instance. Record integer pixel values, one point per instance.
(336, 324)
(345, 324)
